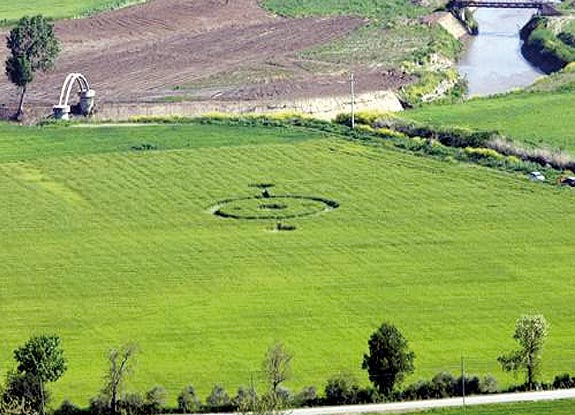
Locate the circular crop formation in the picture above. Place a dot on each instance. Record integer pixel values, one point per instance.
(269, 206)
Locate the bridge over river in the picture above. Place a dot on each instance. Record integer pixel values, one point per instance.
(545, 7)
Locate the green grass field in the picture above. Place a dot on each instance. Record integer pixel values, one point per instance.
(11, 10)
(103, 243)
(374, 8)
(537, 119)
(564, 407)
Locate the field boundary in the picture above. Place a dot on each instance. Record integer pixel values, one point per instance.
(436, 403)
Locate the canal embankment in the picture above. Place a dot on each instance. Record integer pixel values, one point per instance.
(549, 42)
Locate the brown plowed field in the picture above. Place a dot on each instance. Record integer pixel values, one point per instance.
(144, 53)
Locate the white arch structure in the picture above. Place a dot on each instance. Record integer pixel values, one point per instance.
(62, 110)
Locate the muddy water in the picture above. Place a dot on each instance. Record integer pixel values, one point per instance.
(493, 62)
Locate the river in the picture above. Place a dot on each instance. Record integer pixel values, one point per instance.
(493, 62)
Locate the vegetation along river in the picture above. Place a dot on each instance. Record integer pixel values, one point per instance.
(493, 62)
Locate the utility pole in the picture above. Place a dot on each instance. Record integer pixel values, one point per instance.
(462, 381)
(352, 92)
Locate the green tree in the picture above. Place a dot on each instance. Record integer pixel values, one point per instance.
(530, 333)
(33, 47)
(121, 365)
(277, 366)
(389, 358)
(41, 360)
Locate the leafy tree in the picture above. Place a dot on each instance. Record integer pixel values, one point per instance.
(530, 333)
(33, 47)
(121, 365)
(389, 358)
(41, 360)
(277, 366)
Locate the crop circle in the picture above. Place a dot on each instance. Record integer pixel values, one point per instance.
(274, 207)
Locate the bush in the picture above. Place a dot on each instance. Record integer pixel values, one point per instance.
(471, 386)
(188, 400)
(449, 136)
(488, 385)
(68, 408)
(341, 389)
(99, 405)
(476, 154)
(246, 398)
(307, 397)
(443, 385)
(25, 388)
(156, 400)
(368, 395)
(283, 394)
(132, 404)
(219, 400)
(567, 38)
(418, 391)
(563, 381)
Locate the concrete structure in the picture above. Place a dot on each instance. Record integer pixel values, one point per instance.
(87, 97)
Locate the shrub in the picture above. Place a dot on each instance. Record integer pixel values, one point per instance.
(471, 386)
(389, 133)
(488, 385)
(99, 405)
(156, 399)
(368, 395)
(307, 397)
(283, 394)
(245, 398)
(132, 404)
(219, 400)
(476, 154)
(188, 400)
(443, 385)
(341, 389)
(26, 389)
(567, 37)
(67, 408)
(563, 381)
(419, 390)
(449, 136)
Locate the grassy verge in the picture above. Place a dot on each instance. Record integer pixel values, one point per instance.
(562, 407)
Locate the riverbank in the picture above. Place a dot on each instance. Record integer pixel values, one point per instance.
(549, 42)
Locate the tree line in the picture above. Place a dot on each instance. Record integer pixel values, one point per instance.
(389, 360)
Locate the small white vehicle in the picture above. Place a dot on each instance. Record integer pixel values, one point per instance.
(536, 176)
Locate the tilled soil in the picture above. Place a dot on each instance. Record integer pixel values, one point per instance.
(143, 53)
